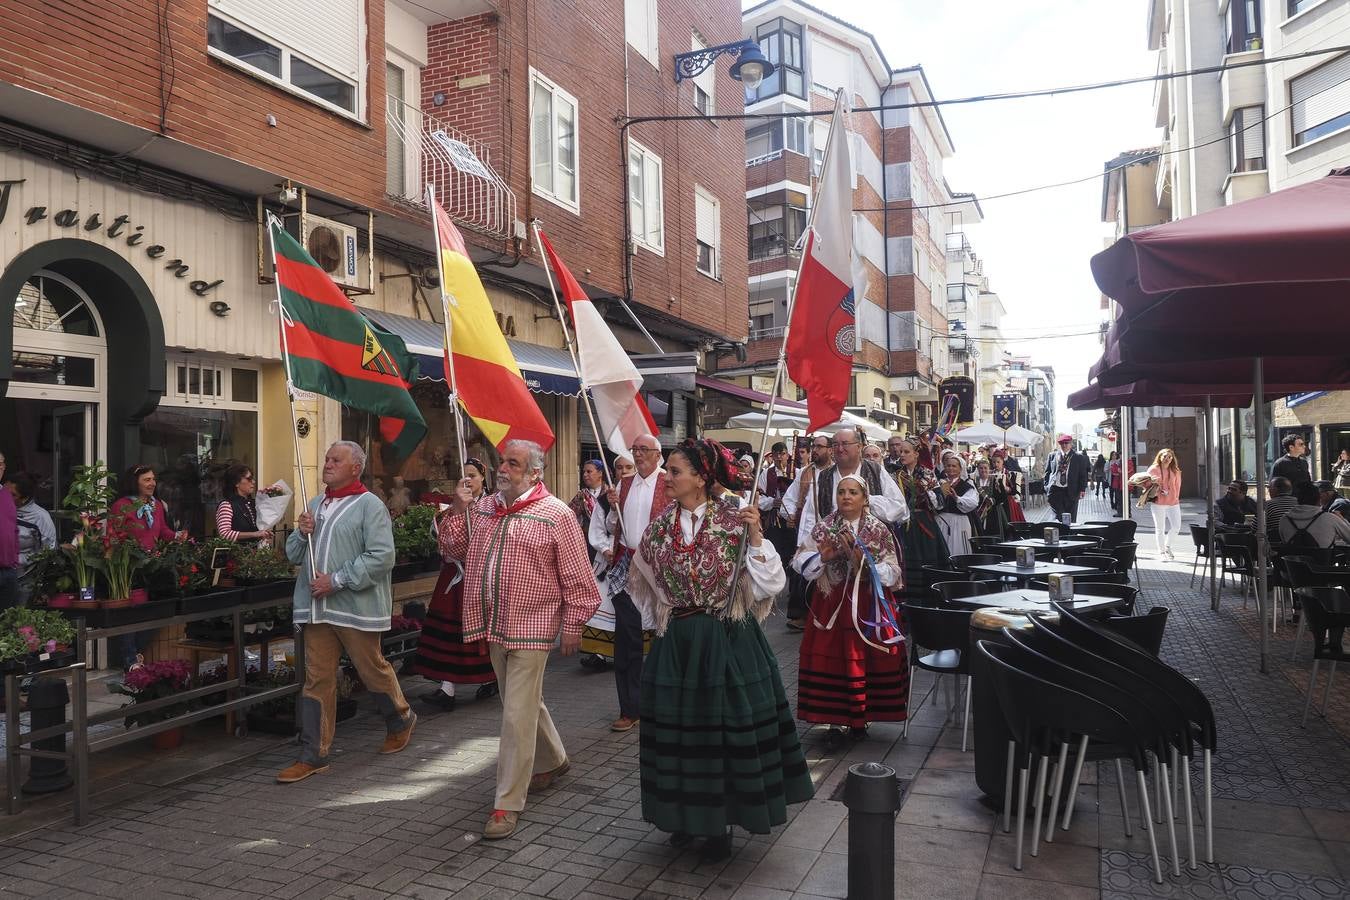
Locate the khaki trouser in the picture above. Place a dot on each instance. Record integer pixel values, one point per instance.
(529, 743)
(318, 701)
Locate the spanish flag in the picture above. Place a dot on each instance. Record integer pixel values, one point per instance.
(490, 387)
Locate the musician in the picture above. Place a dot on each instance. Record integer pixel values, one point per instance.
(775, 480)
(955, 497)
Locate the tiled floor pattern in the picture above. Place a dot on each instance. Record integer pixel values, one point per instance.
(407, 825)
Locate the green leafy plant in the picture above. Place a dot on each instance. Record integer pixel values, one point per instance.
(206, 551)
(50, 572)
(413, 538)
(92, 490)
(121, 557)
(261, 563)
(174, 569)
(24, 631)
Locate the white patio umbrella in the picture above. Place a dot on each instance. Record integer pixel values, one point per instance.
(988, 432)
(786, 421)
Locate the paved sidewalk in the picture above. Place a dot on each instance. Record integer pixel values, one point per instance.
(408, 825)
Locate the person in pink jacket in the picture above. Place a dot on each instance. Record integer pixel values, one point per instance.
(1166, 474)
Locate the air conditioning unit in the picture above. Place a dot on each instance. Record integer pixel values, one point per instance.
(334, 247)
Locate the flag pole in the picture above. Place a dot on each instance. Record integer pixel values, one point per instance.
(781, 366)
(446, 300)
(586, 399)
(274, 222)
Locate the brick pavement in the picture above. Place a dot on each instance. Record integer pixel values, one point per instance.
(408, 825)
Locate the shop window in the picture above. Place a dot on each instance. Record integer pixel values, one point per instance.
(49, 302)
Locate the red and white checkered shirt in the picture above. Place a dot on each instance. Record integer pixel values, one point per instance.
(526, 572)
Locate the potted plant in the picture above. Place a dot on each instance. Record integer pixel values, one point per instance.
(52, 577)
(122, 557)
(222, 593)
(92, 490)
(414, 541)
(154, 681)
(34, 639)
(278, 716)
(83, 556)
(173, 570)
(264, 571)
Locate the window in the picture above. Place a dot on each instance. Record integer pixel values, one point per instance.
(639, 25)
(763, 140)
(1298, 6)
(259, 36)
(553, 143)
(1247, 140)
(645, 200)
(1242, 26)
(795, 130)
(708, 230)
(1320, 100)
(781, 43)
(704, 81)
(395, 168)
(774, 230)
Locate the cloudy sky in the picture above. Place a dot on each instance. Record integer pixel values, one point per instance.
(1036, 246)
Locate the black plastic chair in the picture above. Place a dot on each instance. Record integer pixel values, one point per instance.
(1118, 531)
(1200, 537)
(1298, 572)
(964, 561)
(1126, 555)
(1096, 540)
(1102, 578)
(1040, 705)
(1022, 530)
(956, 590)
(985, 544)
(1126, 592)
(945, 632)
(934, 574)
(1145, 630)
(1328, 630)
(1098, 561)
(1237, 555)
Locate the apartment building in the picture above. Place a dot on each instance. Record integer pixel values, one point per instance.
(146, 142)
(1251, 130)
(903, 209)
(974, 323)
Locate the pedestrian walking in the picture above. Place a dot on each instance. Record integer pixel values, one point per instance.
(525, 565)
(1099, 474)
(1065, 479)
(1165, 474)
(347, 535)
(719, 747)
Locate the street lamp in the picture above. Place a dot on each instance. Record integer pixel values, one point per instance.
(750, 67)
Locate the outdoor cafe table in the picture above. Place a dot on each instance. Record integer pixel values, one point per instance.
(1040, 570)
(1040, 544)
(988, 724)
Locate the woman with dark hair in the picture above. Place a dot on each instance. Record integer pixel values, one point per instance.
(237, 514)
(719, 747)
(853, 666)
(442, 654)
(591, 495)
(138, 513)
(37, 531)
(920, 540)
(597, 635)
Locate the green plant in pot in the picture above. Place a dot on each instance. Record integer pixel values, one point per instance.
(174, 569)
(26, 634)
(260, 564)
(85, 556)
(122, 557)
(154, 681)
(413, 538)
(92, 490)
(51, 575)
(206, 551)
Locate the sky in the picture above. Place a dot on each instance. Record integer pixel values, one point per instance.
(1036, 247)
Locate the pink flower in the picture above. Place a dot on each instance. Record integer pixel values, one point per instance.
(30, 637)
(51, 646)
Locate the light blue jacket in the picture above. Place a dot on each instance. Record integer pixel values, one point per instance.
(354, 542)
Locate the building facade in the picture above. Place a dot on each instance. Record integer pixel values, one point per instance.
(1252, 130)
(903, 208)
(975, 325)
(135, 276)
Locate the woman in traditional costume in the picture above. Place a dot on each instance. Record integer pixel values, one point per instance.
(1006, 490)
(442, 654)
(853, 669)
(719, 747)
(988, 516)
(955, 498)
(597, 635)
(920, 540)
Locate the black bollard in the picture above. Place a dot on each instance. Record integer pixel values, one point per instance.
(47, 699)
(872, 796)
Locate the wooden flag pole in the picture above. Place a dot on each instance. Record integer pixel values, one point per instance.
(446, 302)
(274, 222)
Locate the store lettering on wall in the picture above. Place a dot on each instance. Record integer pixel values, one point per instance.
(118, 227)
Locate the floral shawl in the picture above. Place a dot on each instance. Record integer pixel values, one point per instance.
(874, 534)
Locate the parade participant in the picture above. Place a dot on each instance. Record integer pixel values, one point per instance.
(719, 748)
(873, 452)
(800, 500)
(955, 498)
(237, 514)
(1007, 491)
(1065, 479)
(887, 502)
(525, 566)
(345, 531)
(637, 501)
(892, 461)
(591, 495)
(597, 636)
(442, 653)
(746, 465)
(774, 483)
(986, 516)
(920, 539)
(853, 669)
(1166, 506)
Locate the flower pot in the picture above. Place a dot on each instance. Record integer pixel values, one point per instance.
(61, 601)
(139, 595)
(83, 602)
(168, 740)
(119, 603)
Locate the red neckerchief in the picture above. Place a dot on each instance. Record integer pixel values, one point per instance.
(350, 490)
(538, 492)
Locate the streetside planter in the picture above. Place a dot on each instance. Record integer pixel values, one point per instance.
(262, 592)
(34, 639)
(221, 598)
(132, 613)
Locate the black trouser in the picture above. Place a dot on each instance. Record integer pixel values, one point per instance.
(9, 587)
(784, 540)
(628, 655)
(1115, 501)
(1062, 501)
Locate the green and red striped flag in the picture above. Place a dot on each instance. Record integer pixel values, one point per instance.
(337, 352)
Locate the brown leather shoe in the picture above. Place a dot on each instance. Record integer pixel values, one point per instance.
(501, 824)
(395, 742)
(622, 723)
(299, 772)
(542, 780)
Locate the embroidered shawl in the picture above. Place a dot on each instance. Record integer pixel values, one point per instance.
(874, 534)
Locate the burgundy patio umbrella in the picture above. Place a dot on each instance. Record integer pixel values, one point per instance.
(1269, 277)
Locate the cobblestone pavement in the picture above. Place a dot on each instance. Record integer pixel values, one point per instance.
(408, 825)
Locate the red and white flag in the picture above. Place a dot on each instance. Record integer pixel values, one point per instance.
(822, 331)
(606, 370)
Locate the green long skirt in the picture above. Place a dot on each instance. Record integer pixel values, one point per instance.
(719, 745)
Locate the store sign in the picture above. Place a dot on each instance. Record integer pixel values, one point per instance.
(119, 227)
(1296, 399)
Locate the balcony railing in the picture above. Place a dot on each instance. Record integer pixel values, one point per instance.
(763, 158)
(426, 150)
(764, 334)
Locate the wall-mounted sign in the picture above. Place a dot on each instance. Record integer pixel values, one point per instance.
(302, 427)
(120, 227)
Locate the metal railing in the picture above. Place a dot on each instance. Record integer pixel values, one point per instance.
(767, 157)
(764, 334)
(426, 150)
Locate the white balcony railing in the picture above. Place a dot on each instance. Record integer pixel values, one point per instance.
(426, 150)
(763, 158)
(763, 334)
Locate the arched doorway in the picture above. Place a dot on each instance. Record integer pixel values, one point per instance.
(81, 361)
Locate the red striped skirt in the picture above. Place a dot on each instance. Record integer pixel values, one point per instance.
(843, 681)
(442, 654)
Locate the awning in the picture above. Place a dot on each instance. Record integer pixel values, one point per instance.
(547, 370)
(667, 371)
(745, 393)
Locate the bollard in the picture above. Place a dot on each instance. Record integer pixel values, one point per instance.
(47, 699)
(872, 797)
